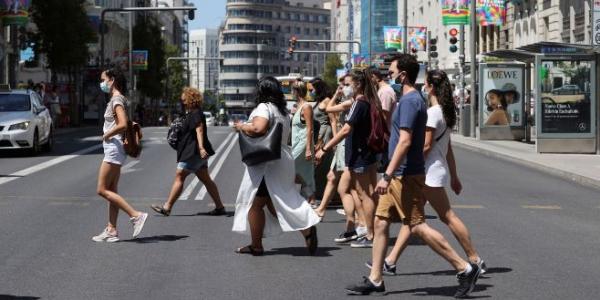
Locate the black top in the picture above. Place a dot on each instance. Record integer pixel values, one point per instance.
(187, 147)
(358, 153)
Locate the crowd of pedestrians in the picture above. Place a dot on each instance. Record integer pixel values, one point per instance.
(368, 125)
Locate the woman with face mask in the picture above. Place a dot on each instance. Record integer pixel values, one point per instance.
(115, 123)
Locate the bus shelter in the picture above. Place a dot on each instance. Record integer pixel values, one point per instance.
(564, 100)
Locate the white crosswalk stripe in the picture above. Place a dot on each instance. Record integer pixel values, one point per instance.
(217, 168)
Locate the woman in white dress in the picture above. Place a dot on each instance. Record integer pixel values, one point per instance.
(274, 190)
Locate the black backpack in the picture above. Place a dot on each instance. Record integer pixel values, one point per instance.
(176, 131)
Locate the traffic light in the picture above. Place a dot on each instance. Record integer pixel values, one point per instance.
(191, 14)
(453, 40)
(293, 41)
(433, 48)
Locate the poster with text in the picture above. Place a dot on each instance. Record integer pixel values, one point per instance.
(502, 89)
(565, 97)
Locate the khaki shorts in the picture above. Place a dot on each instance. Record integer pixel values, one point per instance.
(404, 200)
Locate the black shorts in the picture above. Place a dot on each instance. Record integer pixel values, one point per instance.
(262, 189)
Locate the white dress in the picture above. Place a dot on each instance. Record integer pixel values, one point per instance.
(436, 165)
(293, 211)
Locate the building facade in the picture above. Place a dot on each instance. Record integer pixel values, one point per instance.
(204, 74)
(382, 13)
(254, 40)
(345, 25)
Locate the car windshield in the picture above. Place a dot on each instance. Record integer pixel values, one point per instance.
(207, 114)
(14, 102)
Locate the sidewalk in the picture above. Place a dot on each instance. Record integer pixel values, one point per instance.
(581, 168)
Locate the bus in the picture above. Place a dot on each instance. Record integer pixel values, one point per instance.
(286, 87)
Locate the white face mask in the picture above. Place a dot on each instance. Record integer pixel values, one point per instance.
(348, 91)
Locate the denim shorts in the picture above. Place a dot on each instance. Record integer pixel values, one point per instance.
(193, 164)
(114, 152)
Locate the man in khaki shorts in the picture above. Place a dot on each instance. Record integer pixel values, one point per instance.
(402, 187)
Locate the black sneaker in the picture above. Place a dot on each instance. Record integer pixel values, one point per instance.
(481, 264)
(466, 282)
(345, 237)
(366, 287)
(389, 270)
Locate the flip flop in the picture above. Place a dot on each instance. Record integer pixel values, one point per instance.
(249, 250)
(161, 210)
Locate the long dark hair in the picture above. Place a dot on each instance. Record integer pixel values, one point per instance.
(268, 90)
(119, 80)
(442, 90)
(366, 87)
(321, 89)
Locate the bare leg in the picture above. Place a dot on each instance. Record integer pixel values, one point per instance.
(399, 246)
(365, 187)
(176, 188)
(256, 219)
(440, 245)
(107, 173)
(348, 201)
(332, 178)
(438, 199)
(380, 240)
(211, 187)
(113, 210)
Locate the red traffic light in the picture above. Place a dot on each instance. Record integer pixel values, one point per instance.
(453, 32)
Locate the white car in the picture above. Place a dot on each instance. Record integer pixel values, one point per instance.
(25, 123)
(210, 120)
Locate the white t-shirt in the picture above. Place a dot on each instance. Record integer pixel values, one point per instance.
(262, 110)
(436, 166)
(110, 114)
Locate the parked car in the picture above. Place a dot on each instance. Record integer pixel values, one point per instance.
(25, 123)
(568, 89)
(234, 118)
(210, 120)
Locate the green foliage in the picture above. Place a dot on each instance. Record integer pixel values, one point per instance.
(63, 33)
(176, 74)
(332, 63)
(147, 36)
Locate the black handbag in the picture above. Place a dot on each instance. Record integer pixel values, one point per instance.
(256, 150)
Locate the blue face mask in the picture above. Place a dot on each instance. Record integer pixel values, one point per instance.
(104, 87)
(313, 94)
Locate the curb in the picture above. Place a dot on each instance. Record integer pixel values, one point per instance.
(573, 177)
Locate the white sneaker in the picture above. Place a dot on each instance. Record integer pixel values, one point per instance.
(106, 236)
(138, 223)
(361, 231)
(340, 211)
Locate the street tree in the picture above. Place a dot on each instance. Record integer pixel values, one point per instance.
(332, 64)
(63, 35)
(176, 75)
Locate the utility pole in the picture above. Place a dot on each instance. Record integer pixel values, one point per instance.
(473, 37)
(370, 29)
(197, 68)
(462, 84)
(405, 32)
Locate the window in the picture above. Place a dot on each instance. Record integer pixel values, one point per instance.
(288, 29)
(307, 31)
(311, 18)
(317, 32)
(298, 30)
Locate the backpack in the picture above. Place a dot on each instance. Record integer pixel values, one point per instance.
(380, 133)
(132, 139)
(176, 131)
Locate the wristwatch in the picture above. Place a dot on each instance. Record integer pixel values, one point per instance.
(387, 177)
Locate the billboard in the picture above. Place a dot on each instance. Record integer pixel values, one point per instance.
(503, 94)
(14, 12)
(455, 12)
(140, 60)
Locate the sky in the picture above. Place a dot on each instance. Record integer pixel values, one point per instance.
(210, 13)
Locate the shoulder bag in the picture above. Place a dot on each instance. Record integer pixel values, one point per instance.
(256, 150)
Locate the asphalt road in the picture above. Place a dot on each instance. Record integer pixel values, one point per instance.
(538, 234)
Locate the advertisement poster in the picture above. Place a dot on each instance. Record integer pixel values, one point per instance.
(360, 61)
(455, 12)
(14, 12)
(565, 97)
(503, 95)
(491, 12)
(392, 37)
(417, 38)
(140, 60)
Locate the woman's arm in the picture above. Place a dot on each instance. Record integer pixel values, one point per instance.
(342, 134)
(200, 137)
(121, 119)
(337, 108)
(257, 127)
(455, 183)
(429, 132)
(307, 113)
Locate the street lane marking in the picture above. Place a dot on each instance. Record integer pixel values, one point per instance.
(47, 164)
(190, 188)
(541, 207)
(466, 206)
(128, 168)
(217, 168)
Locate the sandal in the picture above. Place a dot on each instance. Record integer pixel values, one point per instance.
(217, 212)
(250, 250)
(161, 210)
(312, 242)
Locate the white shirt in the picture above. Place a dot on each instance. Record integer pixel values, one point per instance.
(110, 114)
(436, 166)
(262, 110)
